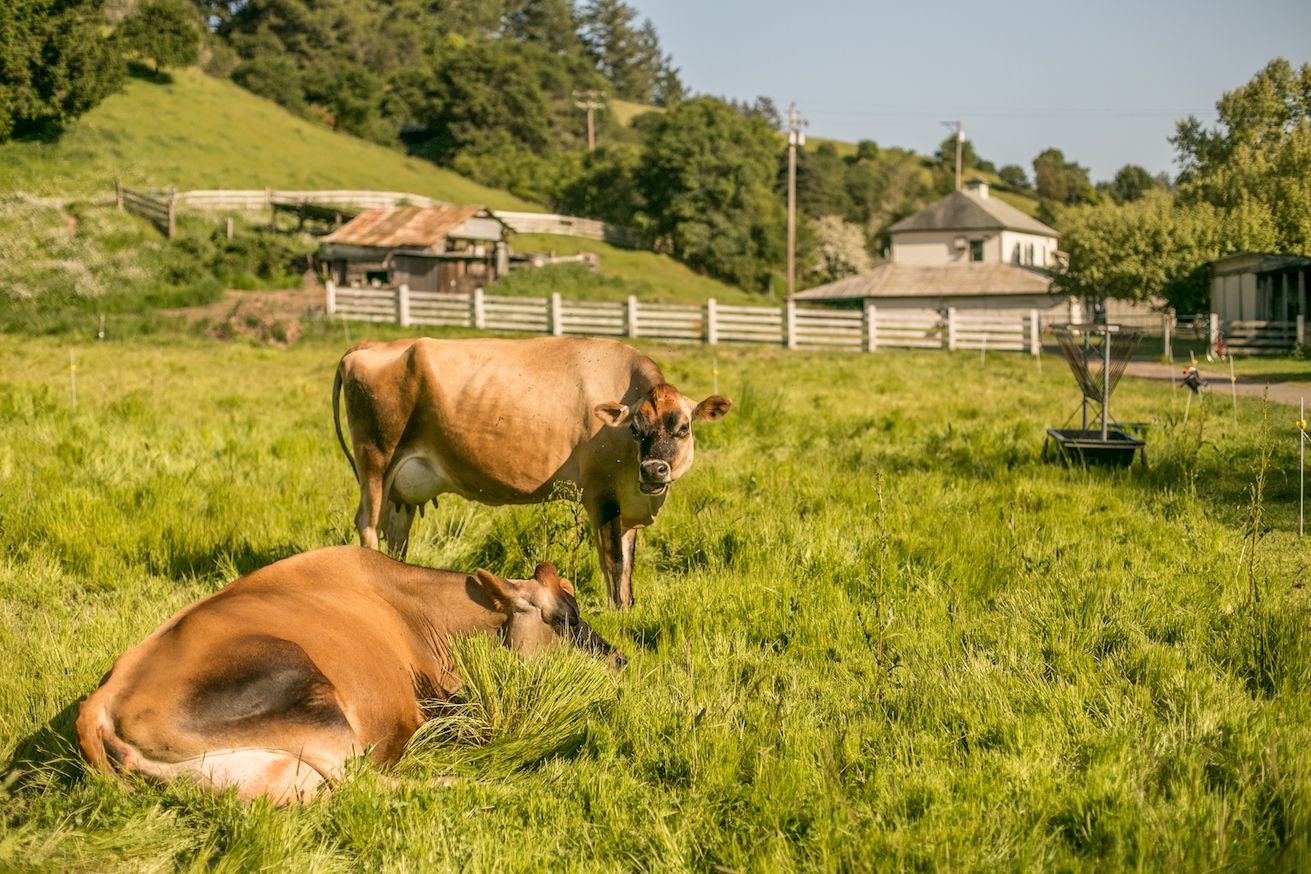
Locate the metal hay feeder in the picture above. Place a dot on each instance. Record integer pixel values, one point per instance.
(1085, 346)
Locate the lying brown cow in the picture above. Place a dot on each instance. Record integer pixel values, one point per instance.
(273, 683)
(503, 421)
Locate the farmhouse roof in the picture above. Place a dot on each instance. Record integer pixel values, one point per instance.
(893, 280)
(388, 227)
(1257, 262)
(964, 211)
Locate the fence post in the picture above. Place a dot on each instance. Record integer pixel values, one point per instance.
(118, 192)
(1167, 322)
(949, 335)
(330, 303)
(712, 322)
(403, 304)
(1301, 329)
(172, 210)
(871, 326)
(557, 320)
(790, 325)
(479, 316)
(1213, 332)
(630, 316)
(1035, 347)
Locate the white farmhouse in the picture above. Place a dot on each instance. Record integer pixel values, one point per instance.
(967, 250)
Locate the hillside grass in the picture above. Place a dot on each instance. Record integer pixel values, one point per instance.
(872, 629)
(198, 131)
(652, 277)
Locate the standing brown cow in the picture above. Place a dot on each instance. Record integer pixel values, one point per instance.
(503, 421)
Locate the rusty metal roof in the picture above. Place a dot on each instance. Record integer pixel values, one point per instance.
(388, 227)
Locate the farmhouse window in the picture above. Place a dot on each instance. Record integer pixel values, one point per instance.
(976, 250)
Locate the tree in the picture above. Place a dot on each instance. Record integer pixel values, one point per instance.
(166, 31)
(1060, 180)
(1014, 176)
(1154, 247)
(821, 182)
(1258, 156)
(55, 64)
(628, 55)
(839, 250)
(706, 178)
(1131, 183)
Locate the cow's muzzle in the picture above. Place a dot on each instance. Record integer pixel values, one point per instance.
(585, 638)
(655, 476)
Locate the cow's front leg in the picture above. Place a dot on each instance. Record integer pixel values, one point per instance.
(614, 547)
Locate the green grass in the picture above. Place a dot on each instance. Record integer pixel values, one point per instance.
(872, 629)
(625, 111)
(203, 132)
(650, 276)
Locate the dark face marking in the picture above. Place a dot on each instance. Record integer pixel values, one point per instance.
(570, 625)
(663, 432)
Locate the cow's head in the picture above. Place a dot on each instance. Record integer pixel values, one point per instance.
(541, 612)
(662, 426)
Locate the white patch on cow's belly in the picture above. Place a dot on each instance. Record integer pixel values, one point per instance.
(418, 479)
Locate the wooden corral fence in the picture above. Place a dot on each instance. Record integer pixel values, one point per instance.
(791, 326)
(1257, 337)
(160, 208)
(518, 222)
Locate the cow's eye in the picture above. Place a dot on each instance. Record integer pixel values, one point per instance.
(683, 431)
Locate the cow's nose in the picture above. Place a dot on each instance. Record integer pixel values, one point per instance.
(656, 470)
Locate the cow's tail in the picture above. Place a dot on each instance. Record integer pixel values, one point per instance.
(336, 417)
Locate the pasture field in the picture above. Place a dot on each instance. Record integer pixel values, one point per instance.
(872, 630)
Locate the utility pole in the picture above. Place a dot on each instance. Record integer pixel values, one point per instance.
(795, 138)
(960, 141)
(590, 101)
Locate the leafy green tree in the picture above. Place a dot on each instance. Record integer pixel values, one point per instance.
(627, 54)
(1258, 156)
(706, 178)
(1060, 180)
(166, 31)
(273, 76)
(1154, 247)
(867, 150)
(55, 64)
(1014, 176)
(1131, 183)
(821, 182)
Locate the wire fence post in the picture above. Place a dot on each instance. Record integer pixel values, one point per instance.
(871, 326)
(630, 316)
(72, 377)
(712, 322)
(403, 304)
(118, 193)
(330, 298)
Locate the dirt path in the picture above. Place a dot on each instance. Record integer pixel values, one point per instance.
(1290, 393)
(273, 317)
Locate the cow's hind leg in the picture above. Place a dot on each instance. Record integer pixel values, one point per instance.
(396, 523)
(370, 510)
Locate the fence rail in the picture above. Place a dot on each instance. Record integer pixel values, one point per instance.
(1264, 337)
(791, 326)
(158, 207)
(518, 222)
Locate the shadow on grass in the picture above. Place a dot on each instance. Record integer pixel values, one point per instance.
(238, 557)
(145, 72)
(48, 756)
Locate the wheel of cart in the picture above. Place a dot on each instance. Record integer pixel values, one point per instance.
(1097, 365)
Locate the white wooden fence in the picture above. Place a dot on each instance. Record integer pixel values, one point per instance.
(792, 326)
(1259, 337)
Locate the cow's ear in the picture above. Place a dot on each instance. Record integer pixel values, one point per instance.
(613, 415)
(712, 409)
(548, 576)
(504, 594)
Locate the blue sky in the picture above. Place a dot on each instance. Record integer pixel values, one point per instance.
(1104, 81)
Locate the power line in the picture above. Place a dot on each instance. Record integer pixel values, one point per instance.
(919, 112)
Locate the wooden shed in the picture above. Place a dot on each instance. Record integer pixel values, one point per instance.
(1255, 286)
(448, 248)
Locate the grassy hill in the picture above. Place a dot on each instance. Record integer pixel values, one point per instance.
(202, 132)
